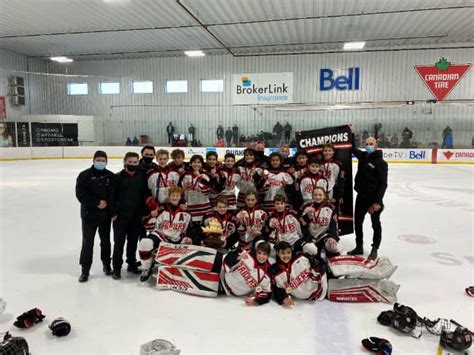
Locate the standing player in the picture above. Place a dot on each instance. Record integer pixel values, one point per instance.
(319, 223)
(250, 176)
(93, 188)
(197, 186)
(251, 221)
(162, 178)
(232, 177)
(215, 174)
(172, 226)
(178, 163)
(146, 163)
(312, 178)
(277, 181)
(334, 173)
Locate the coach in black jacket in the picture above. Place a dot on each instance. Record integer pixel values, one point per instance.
(127, 204)
(370, 184)
(93, 191)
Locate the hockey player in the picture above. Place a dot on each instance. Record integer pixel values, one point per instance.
(285, 154)
(277, 181)
(296, 276)
(246, 274)
(197, 186)
(251, 221)
(225, 219)
(178, 163)
(250, 176)
(297, 169)
(284, 225)
(162, 178)
(319, 221)
(332, 170)
(232, 177)
(309, 180)
(216, 175)
(172, 225)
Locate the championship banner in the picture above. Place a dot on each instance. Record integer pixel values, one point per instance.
(340, 137)
(262, 88)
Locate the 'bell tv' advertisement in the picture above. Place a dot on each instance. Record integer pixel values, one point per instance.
(340, 137)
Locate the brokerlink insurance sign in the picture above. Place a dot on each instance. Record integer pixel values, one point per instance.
(262, 89)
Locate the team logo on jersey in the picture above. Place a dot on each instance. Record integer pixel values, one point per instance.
(442, 77)
(448, 154)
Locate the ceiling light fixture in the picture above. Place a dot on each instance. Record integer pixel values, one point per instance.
(350, 46)
(197, 53)
(115, 1)
(61, 59)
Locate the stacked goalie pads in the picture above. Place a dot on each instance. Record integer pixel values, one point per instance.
(364, 280)
(188, 268)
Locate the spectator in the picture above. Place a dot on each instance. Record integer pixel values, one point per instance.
(228, 136)
(448, 138)
(394, 141)
(287, 128)
(93, 188)
(220, 143)
(382, 141)
(377, 128)
(235, 135)
(407, 135)
(129, 141)
(370, 184)
(192, 132)
(278, 131)
(220, 132)
(170, 132)
(365, 135)
(135, 141)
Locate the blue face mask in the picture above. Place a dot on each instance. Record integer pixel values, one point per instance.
(369, 149)
(99, 165)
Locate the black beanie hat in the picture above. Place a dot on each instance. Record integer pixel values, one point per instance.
(100, 154)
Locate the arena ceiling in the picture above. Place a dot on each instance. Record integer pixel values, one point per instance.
(88, 29)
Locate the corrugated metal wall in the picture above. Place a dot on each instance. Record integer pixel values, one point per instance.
(385, 76)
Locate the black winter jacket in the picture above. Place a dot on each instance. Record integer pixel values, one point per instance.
(93, 185)
(129, 193)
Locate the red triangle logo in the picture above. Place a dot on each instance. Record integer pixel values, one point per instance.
(441, 82)
(448, 154)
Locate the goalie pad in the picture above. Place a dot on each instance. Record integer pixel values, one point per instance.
(186, 256)
(357, 267)
(355, 290)
(194, 282)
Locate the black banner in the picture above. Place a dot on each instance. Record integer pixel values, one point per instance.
(23, 129)
(340, 137)
(54, 134)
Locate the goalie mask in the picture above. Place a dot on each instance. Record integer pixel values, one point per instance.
(459, 340)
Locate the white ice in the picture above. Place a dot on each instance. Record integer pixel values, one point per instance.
(41, 238)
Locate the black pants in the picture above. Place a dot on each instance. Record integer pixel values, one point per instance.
(361, 206)
(170, 138)
(125, 229)
(89, 228)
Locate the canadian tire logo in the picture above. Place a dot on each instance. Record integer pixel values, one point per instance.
(448, 154)
(442, 77)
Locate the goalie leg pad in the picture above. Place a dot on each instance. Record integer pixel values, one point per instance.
(359, 267)
(186, 256)
(194, 282)
(355, 290)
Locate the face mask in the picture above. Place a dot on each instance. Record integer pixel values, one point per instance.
(369, 149)
(147, 160)
(259, 153)
(132, 167)
(99, 165)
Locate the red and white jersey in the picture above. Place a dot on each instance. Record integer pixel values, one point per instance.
(180, 169)
(322, 222)
(249, 219)
(171, 223)
(284, 226)
(298, 279)
(232, 177)
(246, 277)
(332, 171)
(196, 192)
(299, 172)
(274, 185)
(246, 182)
(307, 184)
(159, 180)
(227, 222)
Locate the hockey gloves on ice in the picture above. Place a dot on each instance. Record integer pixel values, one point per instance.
(377, 345)
(29, 319)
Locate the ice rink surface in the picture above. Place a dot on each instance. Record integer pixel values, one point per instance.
(427, 231)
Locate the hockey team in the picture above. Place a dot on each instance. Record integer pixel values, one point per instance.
(259, 228)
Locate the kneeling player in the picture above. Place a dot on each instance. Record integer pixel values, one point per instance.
(172, 226)
(225, 219)
(246, 274)
(296, 276)
(319, 223)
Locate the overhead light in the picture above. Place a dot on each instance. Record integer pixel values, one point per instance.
(61, 59)
(195, 53)
(115, 1)
(349, 46)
